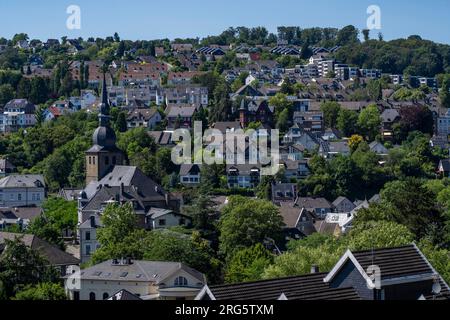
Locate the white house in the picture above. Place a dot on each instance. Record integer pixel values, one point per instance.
(17, 113)
(149, 280)
(22, 191)
(163, 218)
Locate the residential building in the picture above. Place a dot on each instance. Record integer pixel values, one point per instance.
(320, 206)
(388, 118)
(22, 191)
(282, 192)
(405, 274)
(164, 218)
(6, 168)
(190, 174)
(180, 117)
(443, 124)
(20, 217)
(299, 222)
(343, 205)
(243, 175)
(17, 114)
(55, 257)
(147, 118)
(255, 111)
(310, 121)
(148, 280)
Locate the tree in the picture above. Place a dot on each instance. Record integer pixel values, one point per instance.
(121, 122)
(374, 90)
(221, 109)
(330, 111)
(369, 122)
(248, 264)
(246, 222)
(6, 94)
(201, 211)
(445, 92)
(39, 90)
(354, 142)
(378, 234)
(346, 122)
(119, 223)
(41, 292)
(347, 35)
(415, 118)
(40, 115)
(21, 266)
(366, 34)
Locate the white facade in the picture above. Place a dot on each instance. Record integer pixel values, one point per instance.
(22, 191)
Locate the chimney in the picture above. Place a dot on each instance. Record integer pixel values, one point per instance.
(314, 269)
(92, 221)
(122, 188)
(167, 195)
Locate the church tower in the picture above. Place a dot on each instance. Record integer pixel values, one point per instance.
(104, 154)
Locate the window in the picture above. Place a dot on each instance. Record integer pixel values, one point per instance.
(88, 236)
(92, 296)
(90, 160)
(107, 161)
(181, 282)
(19, 197)
(114, 160)
(88, 250)
(105, 295)
(76, 295)
(162, 222)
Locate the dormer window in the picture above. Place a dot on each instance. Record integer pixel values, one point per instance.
(181, 282)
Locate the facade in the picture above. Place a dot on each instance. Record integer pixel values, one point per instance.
(147, 118)
(17, 114)
(22, 191)
(243, 176)
(148, 280)
(190, 174)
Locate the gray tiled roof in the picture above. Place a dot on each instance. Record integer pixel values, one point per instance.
(51, 253)
(138, 271)
(22, 181)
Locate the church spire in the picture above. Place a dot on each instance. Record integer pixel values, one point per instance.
(104, 106)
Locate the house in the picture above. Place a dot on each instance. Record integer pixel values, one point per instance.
(331, 134)
(6, 168)
(297, 135)
(147, 118)
(243, 176)
(388, 118)
(443, 124)
(22, 191)
(299, 222)
(320, 206)
(331, 149)
(69, 194)
(190, 174)
(295, 169)
(292, 152)
(282, 192)
(192, 95)
(404, 274)
(444, 168)
(18, 216)
(55, 257)
(164, 218)
(180, 117)
(309, 121)
(162, 138)
(17, 114)
(255, 111)
(378, 148)
(148, 280)
(180, 78)
(343, 204)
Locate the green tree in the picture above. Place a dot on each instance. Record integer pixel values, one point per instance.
(21, 266)
(246, 222)
(42, 292)
(121, 122)
(369, 122)
(445, 92)
(6, 94)
(330, 111)
(248, 264)
(346, 122)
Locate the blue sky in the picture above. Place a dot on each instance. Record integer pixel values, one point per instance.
(149, 19)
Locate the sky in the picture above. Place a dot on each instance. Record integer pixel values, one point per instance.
(150, 19)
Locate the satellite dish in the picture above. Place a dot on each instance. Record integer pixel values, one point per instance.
(436, 289)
